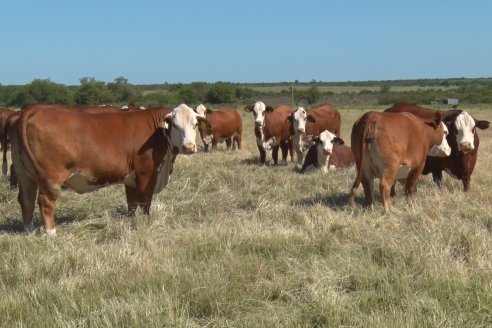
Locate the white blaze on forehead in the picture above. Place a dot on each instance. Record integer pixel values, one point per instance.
(300, 118)
(465, 125)
(259, 113)
(443, 149)
(326, 140)
(183, 129)
(200, 109)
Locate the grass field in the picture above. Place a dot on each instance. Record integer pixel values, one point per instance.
(232, 244)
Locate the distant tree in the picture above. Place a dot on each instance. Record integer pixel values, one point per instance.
(312, 95)
(186, 94)
(221, 93)
(92, 92)
(123, 92)
(385, 88)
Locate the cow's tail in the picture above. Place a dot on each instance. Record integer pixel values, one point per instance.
(24, 144)
(5, 146)
(364, 138)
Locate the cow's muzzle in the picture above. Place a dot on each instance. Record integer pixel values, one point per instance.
(189, 148)
(465, 147)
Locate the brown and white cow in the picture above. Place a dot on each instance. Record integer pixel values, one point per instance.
(55, 148)
(227, 126)
(310, 123)
(328, 153)
(273, 130)
(462, 138)
(393, 146)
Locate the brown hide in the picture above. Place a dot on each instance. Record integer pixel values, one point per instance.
(323, 117)
(341, 157)
(5, 113)
(458, 164)
(50, 145)
(226, 125)
(382, 142)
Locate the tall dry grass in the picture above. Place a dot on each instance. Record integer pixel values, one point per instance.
(232, 244)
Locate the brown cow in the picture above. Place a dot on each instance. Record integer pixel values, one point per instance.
(277, 132)
(312, 122)
(328, 152)
(227, 126)
(87, 109)
(462, 138)
(393, 146)
(272, 129)
(4, 115)
(53, 148)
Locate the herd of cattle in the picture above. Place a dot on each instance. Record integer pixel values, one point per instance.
(86, 148)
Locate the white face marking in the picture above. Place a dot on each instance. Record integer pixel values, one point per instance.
(299, 120)
(200, 109)
(324, 149)
(183, 132)
(465, 125)
(259, 113)
(442, 150)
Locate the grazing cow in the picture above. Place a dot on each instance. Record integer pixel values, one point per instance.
(312, 122)
(462, 138)
(273, 130)
(393, 146)
(227, 126)
(4, 115)
(328, 152)
(55, 148)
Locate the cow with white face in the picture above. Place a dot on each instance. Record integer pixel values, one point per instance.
(258, 110)
(318, 155)
(465, 131)
(201, 110)
(443, 149)
(184, 121)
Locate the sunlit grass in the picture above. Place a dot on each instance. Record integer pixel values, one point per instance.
(232, 244)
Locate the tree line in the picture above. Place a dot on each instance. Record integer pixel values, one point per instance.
(120, 92)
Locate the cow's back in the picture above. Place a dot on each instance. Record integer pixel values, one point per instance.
(341, 157)
(277, 123)
(225, 121)
(327, 117)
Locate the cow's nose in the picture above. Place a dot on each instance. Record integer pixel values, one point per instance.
(300, 130)
(258, 123)
(189, 148)
(466, 147)
(327, 152)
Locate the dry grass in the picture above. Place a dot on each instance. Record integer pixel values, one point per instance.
(232, 244)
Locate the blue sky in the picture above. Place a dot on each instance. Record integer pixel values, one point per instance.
(151, 41)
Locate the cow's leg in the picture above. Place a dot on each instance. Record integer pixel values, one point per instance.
(205, 146)
(297, 145)
(131, 200)
(385, 184)
(412, 179)
(466, 183)
(46, 202)
(437, 177)
(13, 177)
(228, 142)
(238, 140)
(292, 151)
(275, 154)
(393, 190)
(27, 200)
(368, 186)
(262, 155)
(285, 151)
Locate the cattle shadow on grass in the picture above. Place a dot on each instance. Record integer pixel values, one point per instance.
(12, 226)
(338, 202)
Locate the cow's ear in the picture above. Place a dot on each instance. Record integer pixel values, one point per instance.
(311, 119)
(208, 111)
(290, 118)
(168, 122)
(269, 109)
(203, 123)
(482, 125)
(437, 119)
(248, 108)
(316, 140)
(337, 141)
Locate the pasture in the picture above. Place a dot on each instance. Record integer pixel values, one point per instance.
(231, 244)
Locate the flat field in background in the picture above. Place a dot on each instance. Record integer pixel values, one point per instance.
(232, 244)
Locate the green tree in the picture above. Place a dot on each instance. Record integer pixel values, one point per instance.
(123, 92)
(221, 93)
(186, 94)
(92, 92)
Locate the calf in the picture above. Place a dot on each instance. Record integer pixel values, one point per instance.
(312, 122)
(462, 138)
(393, 146)
(226, 125)
(328, 152)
